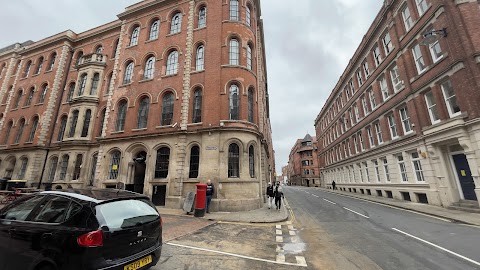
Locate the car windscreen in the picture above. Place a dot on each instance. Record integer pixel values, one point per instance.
(127, 213)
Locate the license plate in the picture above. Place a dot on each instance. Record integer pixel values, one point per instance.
(139, 264)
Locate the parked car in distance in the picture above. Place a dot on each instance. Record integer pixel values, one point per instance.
(80, 229)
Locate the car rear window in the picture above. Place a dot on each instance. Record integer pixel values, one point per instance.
(127, 213)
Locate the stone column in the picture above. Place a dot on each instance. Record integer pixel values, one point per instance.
(4, 87)
(469, 151)
(102, 149)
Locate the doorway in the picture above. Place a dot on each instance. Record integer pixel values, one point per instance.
(139, 172)
(464, 175)
(308, 182)
(159, 194)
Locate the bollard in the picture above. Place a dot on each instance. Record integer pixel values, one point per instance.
(201, 200)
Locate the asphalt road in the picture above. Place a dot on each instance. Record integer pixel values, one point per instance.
(348, 233)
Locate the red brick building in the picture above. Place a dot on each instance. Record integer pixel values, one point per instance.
(167, 96)
(303, 163)
(403, 119)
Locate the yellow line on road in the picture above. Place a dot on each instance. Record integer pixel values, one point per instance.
(471, 225)
(249, 224)
(290, 210)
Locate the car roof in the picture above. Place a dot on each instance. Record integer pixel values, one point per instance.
(96, 195)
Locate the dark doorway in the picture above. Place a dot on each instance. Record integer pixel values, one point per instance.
(465, 177)
(158, 195)
(139, 175)
(308, 182)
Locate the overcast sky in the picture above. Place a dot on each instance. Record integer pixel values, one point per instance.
(308, 45)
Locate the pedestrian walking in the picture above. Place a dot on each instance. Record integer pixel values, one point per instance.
(278, 193)
(270, 196)
(210, 191)
(334, 185)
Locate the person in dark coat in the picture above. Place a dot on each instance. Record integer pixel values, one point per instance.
(210, 191)
(278, 193)
(334, 185)
(270, 195)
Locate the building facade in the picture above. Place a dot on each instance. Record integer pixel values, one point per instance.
(303, 163)
(403, 120)
(166, 97)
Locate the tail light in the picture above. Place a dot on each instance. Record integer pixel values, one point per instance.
(91, 239)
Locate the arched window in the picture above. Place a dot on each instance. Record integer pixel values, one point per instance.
(194, 162)
(51, 63)
(71, 89)
(2, 70)
(249, 57)
(73, 124)
(200, 59)
(172, 63)
(161, 165)
(251, 161)
(234, 13)
(21, 125)
(102, 121)
(234, 52)
(154, 30)
(41, 98)
(197, 106)
(93, 169)
(78, 167)
(114, 162)
(33, 129)
(79, 57)
(7, 132)
(109, 83)
(64, 167)
(63, 126)
(121, 115)
(250, 105)
(86, 123)
(39, 65)
(167, 109)
(52, 169)
(19, 97)
(234, 102)
(134, 36)
(95, 80)
(82, 84)
(30, 97)
(202, 17)
(23, 169)
(27, 68)
(143, 113)
(248, 17)
(127, 77)
(149, 68)
(233, 161)
(99, 49)
(176, 24)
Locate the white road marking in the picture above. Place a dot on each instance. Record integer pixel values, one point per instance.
(290, 227)
(329, 201)
(289, 222)
(437, 246)
(234, 255)
(280, 258)
(301, 261)
(279, 232)
(279, 239)
(279, 249)
(315, 195)
(292, 233)
(355, 212)
(279, 227)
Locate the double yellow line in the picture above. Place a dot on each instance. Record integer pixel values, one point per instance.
(289, 210)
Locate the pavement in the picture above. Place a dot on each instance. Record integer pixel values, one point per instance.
(454, 215)
(262, 215)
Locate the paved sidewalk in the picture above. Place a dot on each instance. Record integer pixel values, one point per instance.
(262, 215)
(455, 215)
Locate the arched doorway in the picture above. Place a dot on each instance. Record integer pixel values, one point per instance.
(139, 172)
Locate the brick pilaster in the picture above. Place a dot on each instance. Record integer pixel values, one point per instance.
(4, 87)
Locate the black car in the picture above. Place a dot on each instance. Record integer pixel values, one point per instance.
(80, 229)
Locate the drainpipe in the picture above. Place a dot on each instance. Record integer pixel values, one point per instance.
(57, 110)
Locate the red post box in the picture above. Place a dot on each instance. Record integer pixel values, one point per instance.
(201, 201)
